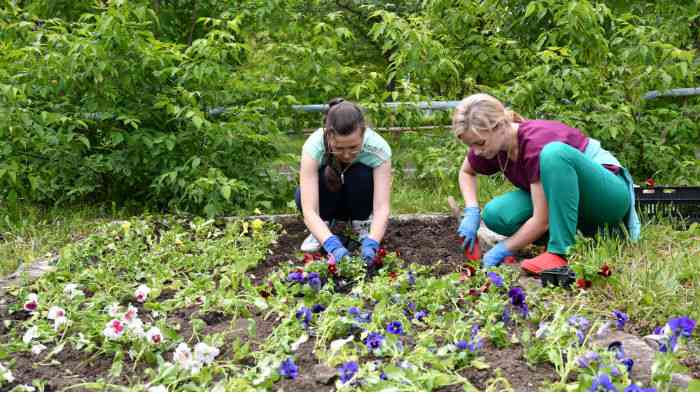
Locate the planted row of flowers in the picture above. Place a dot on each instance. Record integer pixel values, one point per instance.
(390, 326)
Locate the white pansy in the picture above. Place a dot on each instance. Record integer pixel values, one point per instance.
(72, 291)
(131, 313)
(141, 293)
(204, 353)
(31, 333)
(6, 374)
(114, 329)
(37, 348)
(112, 310)
(58, 315)
(154, 335)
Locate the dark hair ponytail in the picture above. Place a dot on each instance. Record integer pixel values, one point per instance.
(341, 118)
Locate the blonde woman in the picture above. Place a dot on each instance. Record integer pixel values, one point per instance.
(565, 181)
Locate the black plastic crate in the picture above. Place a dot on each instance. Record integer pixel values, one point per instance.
(682, 202)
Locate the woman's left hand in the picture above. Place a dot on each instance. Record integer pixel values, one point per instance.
(496, 255)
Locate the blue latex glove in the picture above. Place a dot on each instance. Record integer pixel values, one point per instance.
(369, 249)
(496, 255)
(335, 247)
(469, 226)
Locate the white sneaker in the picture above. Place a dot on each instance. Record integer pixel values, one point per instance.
(361, 227)
(310, 244)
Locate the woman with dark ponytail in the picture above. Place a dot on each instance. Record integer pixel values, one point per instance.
(345, 175)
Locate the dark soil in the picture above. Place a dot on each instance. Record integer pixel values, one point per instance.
(430, 242)
(66, 369)
(513, 367)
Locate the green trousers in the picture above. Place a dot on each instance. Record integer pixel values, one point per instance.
(581, 194)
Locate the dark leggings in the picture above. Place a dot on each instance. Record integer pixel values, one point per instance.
(353, 200)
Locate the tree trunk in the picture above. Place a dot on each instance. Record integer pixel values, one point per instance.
(193, 22)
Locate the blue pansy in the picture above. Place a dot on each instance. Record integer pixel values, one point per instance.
(374, 341)
(314, 280)
(395, 327)
(633, 388)
(296, 276)
(517, 299)
(347, 371)
(621, 318)
(318, 308)
(411, 278)
(462, 344)
(578, 322)
(288, 369)
(602, 382)
(586, 360)
(495, 279)
(682, 326)
(421, 314)
(304, 314)
(383, 376)
(353, 311)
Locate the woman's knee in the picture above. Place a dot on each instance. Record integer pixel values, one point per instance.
(555, 152)
(495, 219)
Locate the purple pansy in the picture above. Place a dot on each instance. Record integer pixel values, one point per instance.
(288, 369)
(296, 276)
(304, 314)
(602, 381)
(314, 280)
(374, 341)
(395, 327)
(621, 318)
(462, 344)
(587, 359)
(318, 308)
(683, 326)
(495, 279)
(347, 371)
(633, 388)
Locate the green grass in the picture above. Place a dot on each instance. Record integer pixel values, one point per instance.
(31, 232)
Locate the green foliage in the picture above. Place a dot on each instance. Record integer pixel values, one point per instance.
(99, 108)
(116, 101)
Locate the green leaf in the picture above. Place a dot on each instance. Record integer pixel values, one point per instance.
(226, 192)
(85, 141)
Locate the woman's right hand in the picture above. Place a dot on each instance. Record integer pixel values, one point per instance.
(469, 226)
(333, 246)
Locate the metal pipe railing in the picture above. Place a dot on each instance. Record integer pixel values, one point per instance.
(419, 105)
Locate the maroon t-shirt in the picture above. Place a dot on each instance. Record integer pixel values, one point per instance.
(533, 135)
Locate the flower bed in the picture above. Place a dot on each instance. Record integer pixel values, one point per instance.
(166, 303)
